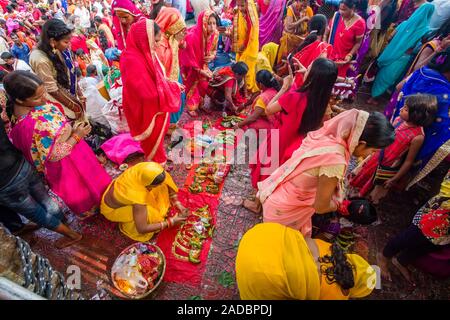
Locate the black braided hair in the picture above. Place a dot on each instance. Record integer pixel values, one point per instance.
(267, 79)
(20, 85)
(103, 40)
(340, 271)
(57, 30)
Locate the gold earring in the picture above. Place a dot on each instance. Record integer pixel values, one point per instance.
(54, 50)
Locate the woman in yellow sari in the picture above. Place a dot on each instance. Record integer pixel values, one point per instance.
(295, 27)
(267, 57)
(246, 39)
(139, 200)
(275, 262)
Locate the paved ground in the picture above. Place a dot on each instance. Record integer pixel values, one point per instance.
(103, 241)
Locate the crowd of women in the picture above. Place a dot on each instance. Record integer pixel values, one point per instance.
(85, 79)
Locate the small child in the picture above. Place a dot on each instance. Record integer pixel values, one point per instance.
(428, 233)
(82, 60)
(385, 169)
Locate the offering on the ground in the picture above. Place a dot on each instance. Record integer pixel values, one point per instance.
(230, 121)
(138, 270)
(189, 240)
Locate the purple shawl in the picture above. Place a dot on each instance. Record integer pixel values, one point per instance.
(271, 24)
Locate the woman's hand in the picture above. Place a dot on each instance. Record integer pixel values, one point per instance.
(184, 212)
(82, 129)
(208, 59)
(288, 80)
(206, 73)
(390, 183)
(177, 219)
(181, 86)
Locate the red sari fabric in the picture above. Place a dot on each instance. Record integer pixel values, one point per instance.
(225, 78)
(148, 96)
(307, 56)
(344, 41)
(293, 105)
(192, 59)
(263, 7)
(78, 41)
(120, 33)
(392, 157)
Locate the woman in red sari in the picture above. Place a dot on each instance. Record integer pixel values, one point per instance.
(125, 13)
(201, 47)
(148, 96)
(346, 34)
(313, 47)
(300, 111)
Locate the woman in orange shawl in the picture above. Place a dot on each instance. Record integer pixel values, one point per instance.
(201, 47)
(173, 28)
(311, 180)
(148, 96)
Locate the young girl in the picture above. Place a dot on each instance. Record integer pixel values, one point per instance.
(424, 242)
(55, 148)
(387, 167)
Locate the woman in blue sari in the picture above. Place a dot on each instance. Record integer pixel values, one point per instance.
(394, 60)
(433, 79)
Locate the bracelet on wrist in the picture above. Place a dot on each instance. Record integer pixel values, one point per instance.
(76, 137)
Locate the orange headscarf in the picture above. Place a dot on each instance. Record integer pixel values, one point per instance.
(171, 22)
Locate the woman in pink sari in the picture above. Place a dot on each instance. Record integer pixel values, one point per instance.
(311, 180)
(148, 95)
(125, 13)
(299, 111)
(55, 148)
(201, 47)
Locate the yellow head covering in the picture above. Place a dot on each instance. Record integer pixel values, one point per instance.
(270, 50)
(364, 275)
(131, 185)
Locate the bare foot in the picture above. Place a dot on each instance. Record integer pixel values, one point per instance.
(404, 271)
(65, 241)
(383, 263)
(87, 214)
(253, 206)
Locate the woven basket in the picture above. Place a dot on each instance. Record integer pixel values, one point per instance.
(163, 258)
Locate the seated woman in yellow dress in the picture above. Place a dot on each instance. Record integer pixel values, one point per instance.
(275, 262)
(139, 200)
(295, 27)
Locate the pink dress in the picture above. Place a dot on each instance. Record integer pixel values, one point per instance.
(288, 194)
(73, 173)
